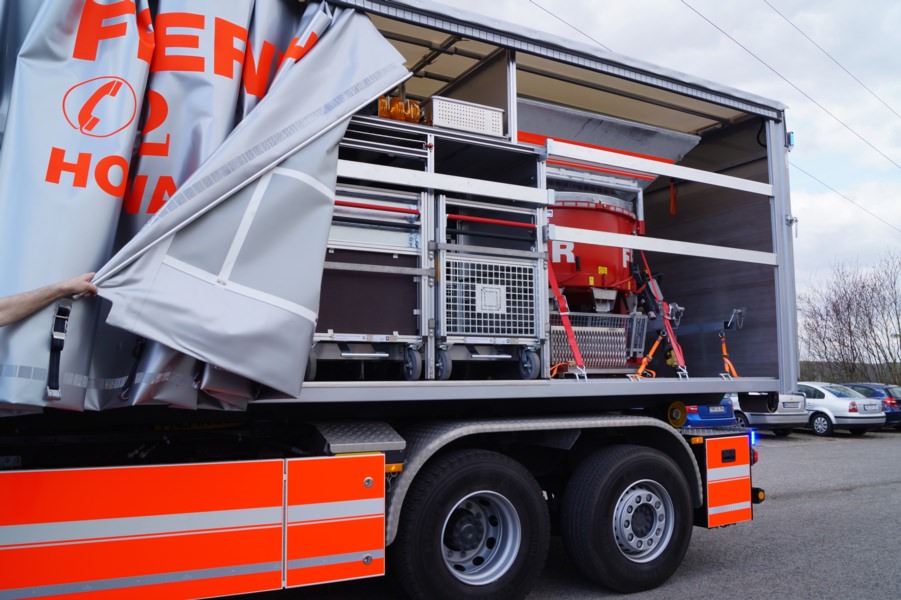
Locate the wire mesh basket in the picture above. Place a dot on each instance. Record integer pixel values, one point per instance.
(485, 297)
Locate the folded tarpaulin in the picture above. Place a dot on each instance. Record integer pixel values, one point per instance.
(228, 272)
(226, 119)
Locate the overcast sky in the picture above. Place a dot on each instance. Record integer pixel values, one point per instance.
(848, 133)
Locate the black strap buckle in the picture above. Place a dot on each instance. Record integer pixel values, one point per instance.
(57, 341)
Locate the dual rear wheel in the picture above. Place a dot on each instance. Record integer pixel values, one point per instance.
(475, 524)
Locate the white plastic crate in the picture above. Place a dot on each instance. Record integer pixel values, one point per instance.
(466, 116)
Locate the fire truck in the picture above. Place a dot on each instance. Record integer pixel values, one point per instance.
(386, 288)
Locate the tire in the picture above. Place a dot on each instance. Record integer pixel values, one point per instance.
(473, 525)
(603, 534)
(821, 424)
(858, 432)
(529, 365)
(443, 365)
(741, 420)
(782, 432)
(412, 364)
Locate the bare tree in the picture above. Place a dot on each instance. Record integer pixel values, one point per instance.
(850, 326)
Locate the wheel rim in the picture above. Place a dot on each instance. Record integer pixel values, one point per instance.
(643, 521)
(481, 538)
(820, 425)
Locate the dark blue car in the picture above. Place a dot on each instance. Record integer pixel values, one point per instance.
(714, 415)
(890, 396)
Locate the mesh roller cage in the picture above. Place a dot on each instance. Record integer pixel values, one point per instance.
(606, 341)
(487, 297)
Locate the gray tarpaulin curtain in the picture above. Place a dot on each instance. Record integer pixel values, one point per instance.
(71, 106)
(224, 280)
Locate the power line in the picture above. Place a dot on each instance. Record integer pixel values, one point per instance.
(565, 22)
(842, 67)
(800, 91)
(835, 191)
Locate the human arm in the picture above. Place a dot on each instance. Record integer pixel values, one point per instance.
(19, 306)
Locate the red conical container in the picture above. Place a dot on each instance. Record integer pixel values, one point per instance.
(583, 266)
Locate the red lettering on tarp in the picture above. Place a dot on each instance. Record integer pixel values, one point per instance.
(296, 51)
(83, 105)
(133, 198)
(57, 164)
(102, 175)
(256, 76)
(92, 27)
(162, 61)
(81, 170)
(225, 52)
(157, 111)
(145, 36)
(164, 189)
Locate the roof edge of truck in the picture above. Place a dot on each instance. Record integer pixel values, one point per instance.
(542, 43)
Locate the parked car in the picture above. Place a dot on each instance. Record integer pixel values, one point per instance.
(779, 415)
(712, 415)
(831, 406)
(890, 396)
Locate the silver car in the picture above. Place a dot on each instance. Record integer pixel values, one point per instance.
(833, 406)
(763, 411)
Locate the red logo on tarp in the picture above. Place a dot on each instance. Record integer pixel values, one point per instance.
(100, 107)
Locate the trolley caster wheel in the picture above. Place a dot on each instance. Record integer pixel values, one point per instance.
(443, 365)
(412, 364)
(529, 365)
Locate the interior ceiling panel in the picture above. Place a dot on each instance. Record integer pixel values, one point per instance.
(438, 58)
(606, 103)
(636, 102)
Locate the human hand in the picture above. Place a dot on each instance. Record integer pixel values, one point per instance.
(79, 286)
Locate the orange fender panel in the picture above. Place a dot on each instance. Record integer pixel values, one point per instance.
(335, 519)
(161, 531)
(728, 476)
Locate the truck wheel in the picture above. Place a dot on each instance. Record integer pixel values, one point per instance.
(821, 424)
(626, 518)
(474, 525)
(412, 364)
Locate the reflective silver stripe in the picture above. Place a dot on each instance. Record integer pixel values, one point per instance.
(243, 290)
(716, 510)
(140, 580)
(335, 510)
(335, 559)
(722, 473)
(306, 178)
(240, 235)
(250, 212)
(68, 531)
